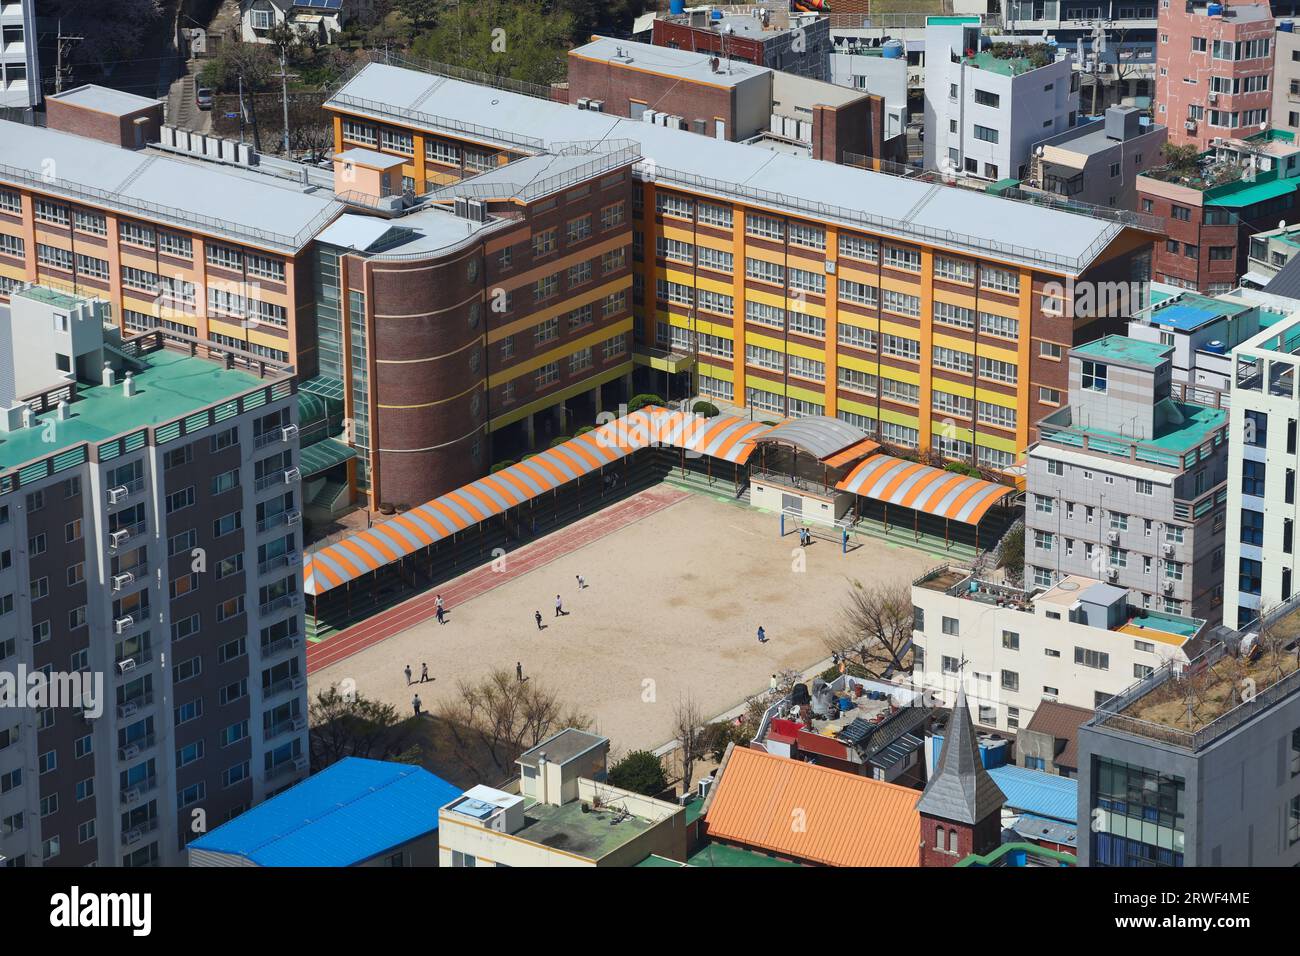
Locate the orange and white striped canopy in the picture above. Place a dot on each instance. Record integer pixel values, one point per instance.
(727, 438)
(934, 491)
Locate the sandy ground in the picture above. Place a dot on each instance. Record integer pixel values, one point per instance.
(671, 606)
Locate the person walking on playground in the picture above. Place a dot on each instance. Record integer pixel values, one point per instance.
(439, 609)
(519, 672)
(408, 675)
(537, 616)
(424, 673)
(415, 704)
(439, 612)
(582, 582)
(772, 686)
(762, 635)
(559, 606)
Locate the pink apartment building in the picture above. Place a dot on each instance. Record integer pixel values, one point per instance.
(1214, 67)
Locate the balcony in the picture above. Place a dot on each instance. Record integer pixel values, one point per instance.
(291, 517)
(136, 747)
(275, 648)
(138, 791)
(286, 433)
(127, 666)
(286, 768)
(286, 560)
(130, 708)
(297, 682)
(279, 604)
(119, 495)
(138, 832)
(292, 726)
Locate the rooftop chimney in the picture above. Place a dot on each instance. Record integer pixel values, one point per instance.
(62, 410)
(128, 385)
(109, 376)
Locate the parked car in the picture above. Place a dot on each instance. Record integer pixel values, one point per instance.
(203, 98)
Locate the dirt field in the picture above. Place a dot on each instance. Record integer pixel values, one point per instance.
(672, 605)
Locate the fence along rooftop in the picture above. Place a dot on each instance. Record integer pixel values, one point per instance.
(971, 221)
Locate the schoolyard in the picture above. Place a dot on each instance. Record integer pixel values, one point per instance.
(672, 605)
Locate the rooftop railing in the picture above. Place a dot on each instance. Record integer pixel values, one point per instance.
(184, 218)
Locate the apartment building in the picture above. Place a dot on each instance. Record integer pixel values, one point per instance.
(1269, 251)
(1262, 509)
(987, 102)
(1098, 163)
(20, 71)
(220, 252)
(148, 544)
(1212, 205)
(1214, 69)
(1076, 642)
(886, 302)
(1216, 783)
(563, 814)
(1128, 482)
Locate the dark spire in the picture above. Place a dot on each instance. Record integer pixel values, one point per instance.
(960, 789)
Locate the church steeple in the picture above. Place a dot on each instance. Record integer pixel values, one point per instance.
(961, 793)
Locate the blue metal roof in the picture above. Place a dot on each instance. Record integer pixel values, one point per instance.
(348, 813)
(1039, 793)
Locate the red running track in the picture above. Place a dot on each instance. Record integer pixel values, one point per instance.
(359, 637)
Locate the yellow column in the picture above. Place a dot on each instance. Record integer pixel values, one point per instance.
(738, 287)
(418, 163)
(1024, 399)
(924, 401)
(832, 323)
(29, 237)
(649, 233)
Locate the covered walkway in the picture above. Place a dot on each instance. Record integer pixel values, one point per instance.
(931, 501)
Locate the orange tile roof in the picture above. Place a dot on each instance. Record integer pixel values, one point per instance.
(847, 820)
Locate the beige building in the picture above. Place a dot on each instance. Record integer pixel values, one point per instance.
(563, 815)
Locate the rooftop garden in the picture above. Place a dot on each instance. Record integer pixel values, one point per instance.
(1012, 58)
(1187, 166)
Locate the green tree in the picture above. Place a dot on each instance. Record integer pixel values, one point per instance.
(507, 39)
(641, 772)
(1182, 159)
(256, 62)
(349, 725)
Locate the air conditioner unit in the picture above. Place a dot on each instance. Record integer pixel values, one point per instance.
(123, 580)
(299, 682)
(118, 538)
(1113, 535)
(1112, 574)
(128, 710)
(123, 624)
(117, 494)
(293, 517)
(1169, 549)
(583, 102)
(131, 795)
(299, 763)
(132, 836)
(1190, 125)
(126, 664)
(1214, 97)
(704, 786)
(289, 432)
(299, 723)
(596, 106)
(292, 475)
(1168, 586)
(290, 557)
(131, 752)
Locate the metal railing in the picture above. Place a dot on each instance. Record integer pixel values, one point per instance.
(385, 111)
(186, 219)
(536, 189)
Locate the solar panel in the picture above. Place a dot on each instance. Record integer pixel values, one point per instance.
(320, 4)
(858, 731)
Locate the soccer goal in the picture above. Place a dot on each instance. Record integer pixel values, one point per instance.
(825, 529)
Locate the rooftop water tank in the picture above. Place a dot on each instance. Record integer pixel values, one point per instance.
(892, 50)
(677, 7)
(1216, 347)
(1287, 26)
(1214, 10)
(715, 15)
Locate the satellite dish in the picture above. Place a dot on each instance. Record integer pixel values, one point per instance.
(1281, 223)
(1038, 150)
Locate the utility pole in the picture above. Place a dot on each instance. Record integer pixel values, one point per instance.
(241, 109)
(64, 45)
(285, 76)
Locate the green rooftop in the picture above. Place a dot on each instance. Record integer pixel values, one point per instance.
(718, 854)
(592, 835)
(171, 387)
(40, 293)
(1126, 351)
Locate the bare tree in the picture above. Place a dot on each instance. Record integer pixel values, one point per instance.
(355, 726)
(877, 627)
(494, 720)
(688, 727)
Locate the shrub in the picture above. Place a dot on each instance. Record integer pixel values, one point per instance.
(500, 465)
(715, 737)
(583, 430)
(641, 772)
(707, 409)
(558, 440)
(642, 400)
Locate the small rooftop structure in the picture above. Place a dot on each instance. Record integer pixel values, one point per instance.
(349, 813)
(662, 60)
(103, 99)
(1061, 722)
(561, 748)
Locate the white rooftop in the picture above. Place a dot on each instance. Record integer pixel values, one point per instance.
(371, 158)
(221, 200)
(942, 215)
(103, 99)
(684, 64)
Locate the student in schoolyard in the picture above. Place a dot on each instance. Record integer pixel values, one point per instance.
(408, 675)
(559, 606)
(415, 704)
(582, 582)
(440, 612)
(424, 673)
(762, 635)
(519, 671)
(772, 685)
(537, 616)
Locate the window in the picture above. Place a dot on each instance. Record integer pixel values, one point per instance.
(997, 371)
(859, 247)
(986, 134)
(764, 227)
(984, 98)
(1097, 660)
(1010, 680)
(1094, 377)
(954, 315)
(900, 257)
(1011, 640)
(901, 302)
